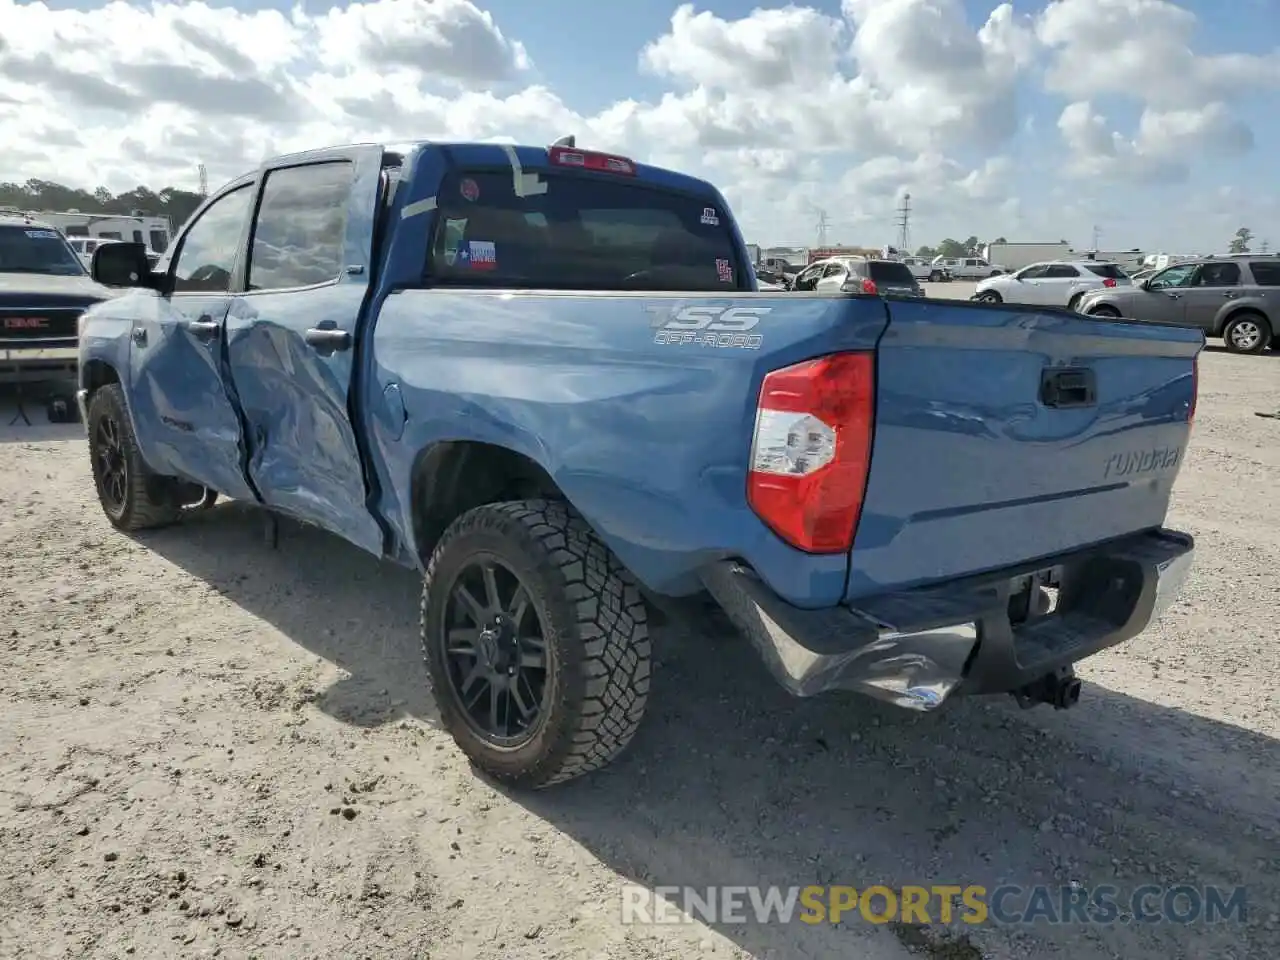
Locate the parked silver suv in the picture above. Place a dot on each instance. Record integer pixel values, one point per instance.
(1236, 298)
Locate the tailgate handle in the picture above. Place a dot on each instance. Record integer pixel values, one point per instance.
(1068, 388)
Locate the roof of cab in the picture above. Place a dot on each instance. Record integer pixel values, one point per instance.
(11, 219)
(501, 154)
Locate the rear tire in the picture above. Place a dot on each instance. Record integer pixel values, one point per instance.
(1247, 333)
(131, 495)
(1074, 302)
(587, 670)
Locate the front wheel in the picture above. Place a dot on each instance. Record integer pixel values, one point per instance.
(132, 497)
(989, 296)
(1105, 313)
(1247, 333)
(536, 643)
(935, 277)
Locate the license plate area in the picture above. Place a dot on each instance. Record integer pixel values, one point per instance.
(1037, 596)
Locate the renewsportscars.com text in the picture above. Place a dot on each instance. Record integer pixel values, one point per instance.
(938, 903)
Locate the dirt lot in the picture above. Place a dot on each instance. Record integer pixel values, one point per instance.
(214, 748)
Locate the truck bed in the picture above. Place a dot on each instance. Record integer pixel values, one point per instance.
(648, 429)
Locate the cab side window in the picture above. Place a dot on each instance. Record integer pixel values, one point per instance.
(300, 230)
(208, 255)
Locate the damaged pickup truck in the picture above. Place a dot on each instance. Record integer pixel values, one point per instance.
(544, 377)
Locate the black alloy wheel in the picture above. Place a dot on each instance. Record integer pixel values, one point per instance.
(495, 652)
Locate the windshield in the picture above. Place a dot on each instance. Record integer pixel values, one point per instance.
(581, 233)
(37, 250)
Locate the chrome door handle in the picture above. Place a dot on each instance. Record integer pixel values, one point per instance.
(206, 328)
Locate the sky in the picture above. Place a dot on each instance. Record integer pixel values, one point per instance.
(1155, 124)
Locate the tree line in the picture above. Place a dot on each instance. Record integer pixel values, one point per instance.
(46, 195)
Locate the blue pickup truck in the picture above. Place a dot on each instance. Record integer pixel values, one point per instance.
(544, 377)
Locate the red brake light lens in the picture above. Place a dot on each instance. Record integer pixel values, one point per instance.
(812, 450)
(590, 160)
(1109, 282)
(868, 285)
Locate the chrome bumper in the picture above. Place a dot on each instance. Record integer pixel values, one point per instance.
(917, 648)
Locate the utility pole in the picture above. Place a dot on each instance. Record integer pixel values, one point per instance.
(204, 180)
(823, 223)
(1097, 235)
(1266, 246)
(904, 224)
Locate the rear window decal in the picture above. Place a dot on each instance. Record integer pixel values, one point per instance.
(479, 255)
(42, 235)
(470, 190)
(724, 269)
(709, 218)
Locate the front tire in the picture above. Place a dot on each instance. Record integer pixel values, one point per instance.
(989, 296)
(935, 277)
(536, 643)
(132, 497)
(1105, 312)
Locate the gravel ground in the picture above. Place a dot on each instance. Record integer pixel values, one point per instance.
(213, 748)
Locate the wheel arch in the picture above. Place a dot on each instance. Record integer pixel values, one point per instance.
(96, 374)
(450, 477)
(1247, 310)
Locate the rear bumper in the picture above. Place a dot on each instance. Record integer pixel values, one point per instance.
(33, 364)
(917, 648)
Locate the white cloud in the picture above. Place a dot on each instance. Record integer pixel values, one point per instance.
(787, 109)
(1142, 51)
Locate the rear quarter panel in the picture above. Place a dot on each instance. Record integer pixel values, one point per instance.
(649, 441)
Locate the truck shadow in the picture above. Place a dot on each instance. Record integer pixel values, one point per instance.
(731, 781)
(332, 599)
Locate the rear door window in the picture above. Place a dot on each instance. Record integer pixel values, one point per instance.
(1218, 275)
(1061, 271)
(889, 273)
(1108, 271)
(1266, 273)
(584, 233)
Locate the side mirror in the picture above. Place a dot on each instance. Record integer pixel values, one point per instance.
(1145, 284)
(121, 265)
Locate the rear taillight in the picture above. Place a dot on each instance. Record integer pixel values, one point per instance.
(868, 285)
(590, 160)
(1195, 389)
(1109, 282)
(812, 450)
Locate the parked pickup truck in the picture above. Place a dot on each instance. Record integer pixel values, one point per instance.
(43, 290)
(543, 377)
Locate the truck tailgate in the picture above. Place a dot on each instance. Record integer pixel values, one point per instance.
(1006, 434)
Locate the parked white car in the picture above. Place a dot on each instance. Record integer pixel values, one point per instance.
(1057, 283)
(968, 268)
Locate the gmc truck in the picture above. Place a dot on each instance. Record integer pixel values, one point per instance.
(43, 290)
(544, 377)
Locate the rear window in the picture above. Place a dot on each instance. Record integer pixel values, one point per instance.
(891, 272)
(1266, 273)
(583, 233)
(1108, 271)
